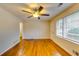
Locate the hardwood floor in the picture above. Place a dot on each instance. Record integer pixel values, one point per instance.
(40, 47)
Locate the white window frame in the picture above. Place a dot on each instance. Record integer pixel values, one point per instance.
(62, 37)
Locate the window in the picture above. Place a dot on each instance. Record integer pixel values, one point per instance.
(59, 27)
(68, 27)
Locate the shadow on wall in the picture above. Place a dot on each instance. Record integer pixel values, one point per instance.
(9, 30)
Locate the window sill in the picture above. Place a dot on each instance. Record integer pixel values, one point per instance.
(68, 39)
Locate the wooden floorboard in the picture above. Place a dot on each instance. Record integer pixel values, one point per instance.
(40, 47)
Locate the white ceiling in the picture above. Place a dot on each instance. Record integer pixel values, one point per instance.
(51, 8)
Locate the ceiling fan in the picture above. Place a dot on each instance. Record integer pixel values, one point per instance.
(36, 12)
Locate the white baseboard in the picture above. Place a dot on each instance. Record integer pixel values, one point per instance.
(9, 47)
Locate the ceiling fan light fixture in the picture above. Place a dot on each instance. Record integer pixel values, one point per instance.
(36, 14)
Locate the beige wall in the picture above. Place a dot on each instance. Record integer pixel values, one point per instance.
(9, 30)
(36, 29)
(65, 44)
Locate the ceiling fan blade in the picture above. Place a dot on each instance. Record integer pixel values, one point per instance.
(29, 16)
(40, 9)
(45, 15)
(26, 11)
(60, 4)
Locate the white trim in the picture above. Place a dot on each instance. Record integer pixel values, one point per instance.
(9, 47)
